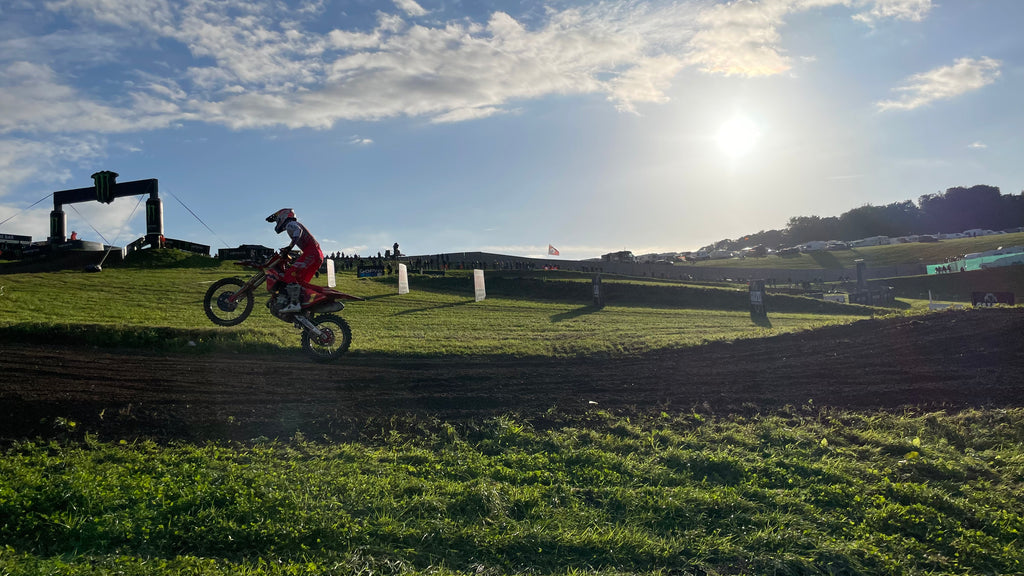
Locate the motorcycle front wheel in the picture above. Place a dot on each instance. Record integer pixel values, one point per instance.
(222, 311)
(335, 340)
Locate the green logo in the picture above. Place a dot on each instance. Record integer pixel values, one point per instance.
(105, 182)
(153, 217)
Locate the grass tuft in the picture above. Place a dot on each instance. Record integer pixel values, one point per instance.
(597, 493)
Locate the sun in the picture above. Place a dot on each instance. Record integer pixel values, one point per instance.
(738, 136)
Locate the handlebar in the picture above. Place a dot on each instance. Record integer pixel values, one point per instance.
(271, 260)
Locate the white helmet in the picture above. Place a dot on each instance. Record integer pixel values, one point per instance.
(281, 217)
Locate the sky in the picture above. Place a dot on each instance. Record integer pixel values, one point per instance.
(452, 125)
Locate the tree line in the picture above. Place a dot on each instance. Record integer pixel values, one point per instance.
(955, 210)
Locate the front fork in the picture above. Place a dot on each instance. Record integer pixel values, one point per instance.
(251, 283)
(303, 322)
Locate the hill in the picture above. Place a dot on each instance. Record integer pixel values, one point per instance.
(873, 256)
(957, 209)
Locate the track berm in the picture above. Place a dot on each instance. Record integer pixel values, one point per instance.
(942, 361)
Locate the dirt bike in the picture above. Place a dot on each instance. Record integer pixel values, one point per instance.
(325, 336)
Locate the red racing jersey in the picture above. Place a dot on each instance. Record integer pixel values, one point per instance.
(302, 238)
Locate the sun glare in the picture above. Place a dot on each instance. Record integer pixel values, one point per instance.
(738, 136)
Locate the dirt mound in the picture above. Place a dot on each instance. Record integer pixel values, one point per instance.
(948, 360)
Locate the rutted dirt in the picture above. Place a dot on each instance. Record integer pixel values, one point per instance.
(949, 360)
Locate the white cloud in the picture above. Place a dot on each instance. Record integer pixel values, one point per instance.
(977, 146)
(117, 223)
(45, 164)
(69, 46)
(944, 83)
(913, 10)
(23, 160)
(463, 114)
(148, 14)
(35, 99)
(257, 63)
(741, 38)
(248, 46)
(359, 140)
(344, 40)
(644, 82)
(456, 72)
(33, 222)
(410, 7)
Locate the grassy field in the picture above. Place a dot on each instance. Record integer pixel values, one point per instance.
(158, 303)
(875, 256)
(803, 490)
(798, 492)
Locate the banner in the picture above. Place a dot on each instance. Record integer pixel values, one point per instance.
(987, 299)
(478, 285)
(403, 279)
(15, 238)
(552, 251)
(369, 271)
(757, 299)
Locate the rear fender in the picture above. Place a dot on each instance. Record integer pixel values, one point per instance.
(337, 295)
(324, 307)
(327, 293)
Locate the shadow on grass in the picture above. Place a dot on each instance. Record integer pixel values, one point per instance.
(135, 337)
(826, 260)
(379, 296)
(899, 305)
(574, 313)
(761, 321)
(438, 307)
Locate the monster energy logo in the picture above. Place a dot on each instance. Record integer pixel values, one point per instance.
(105, 182)
(152, 217)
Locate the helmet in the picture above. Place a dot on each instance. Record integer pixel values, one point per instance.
(281, 217)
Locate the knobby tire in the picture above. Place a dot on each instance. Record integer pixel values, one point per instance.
(326, 351)
(216, 313)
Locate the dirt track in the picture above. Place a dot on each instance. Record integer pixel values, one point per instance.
(949, 360)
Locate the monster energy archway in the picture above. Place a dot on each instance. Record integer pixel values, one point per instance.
(104, 189)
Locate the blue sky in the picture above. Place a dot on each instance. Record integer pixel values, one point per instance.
(447, 125)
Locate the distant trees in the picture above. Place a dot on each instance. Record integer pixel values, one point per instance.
(975, 207)
(955, 210)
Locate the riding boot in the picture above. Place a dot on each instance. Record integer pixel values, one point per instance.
(294, 290)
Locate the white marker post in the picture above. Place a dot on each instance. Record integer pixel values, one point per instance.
(403, 279)
(331, 280)
(478, 285)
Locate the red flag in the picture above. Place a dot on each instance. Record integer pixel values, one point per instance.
(552, 251)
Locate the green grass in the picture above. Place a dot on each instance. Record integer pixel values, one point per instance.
(803, 491)
(875, 256)
(157, 303)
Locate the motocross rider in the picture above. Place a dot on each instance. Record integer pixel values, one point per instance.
(306, 266)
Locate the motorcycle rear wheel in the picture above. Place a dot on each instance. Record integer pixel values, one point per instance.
(220, 310)
(337, 337)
